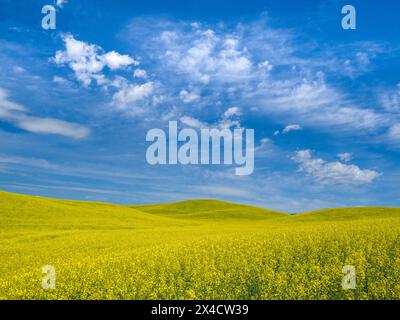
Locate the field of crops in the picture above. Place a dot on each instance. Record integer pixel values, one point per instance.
(194, 250)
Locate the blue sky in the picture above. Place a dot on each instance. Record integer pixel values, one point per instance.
(76, 102)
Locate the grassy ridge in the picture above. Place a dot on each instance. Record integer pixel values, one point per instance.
(200, 249)
(210, 209)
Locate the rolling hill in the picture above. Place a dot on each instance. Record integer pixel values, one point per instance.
(24, 210)
(21, 211)
(210, 209)
(348, 214)
(196, 249)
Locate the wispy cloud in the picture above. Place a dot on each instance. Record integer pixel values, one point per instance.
(258, 68)
(17, 114)
(229, 119)
(288, 128)
(192, 122)
(345, 156)
(61, 3)
(394, 133)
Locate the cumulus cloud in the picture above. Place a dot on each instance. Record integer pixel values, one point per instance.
(333, 173)
(188, 97)
(204, 55)
(249, 64)
(132, 94)
(18, 115)
(115, 61)
(88, 60)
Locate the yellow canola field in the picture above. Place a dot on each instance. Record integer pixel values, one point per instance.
(194, 250)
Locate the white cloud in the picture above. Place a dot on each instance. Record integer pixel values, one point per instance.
(232, 111)
(230, 118)
(17, 115)
(188, 97)
(390, 100)
(264, 148)
(61, 3)
(192, 122)
(140, 73)
(265, 65)
(363, 58)
(291, 127)
(253, 64)
(314, 103)
(132, 94)
(60, 80)
(394, 133)
(205, 55)
(51, 126)
(31, 162)
(87, 60)
(7, 106)
(115, 61)
(333, 172)
(345, 157)
(18, 69)
(288, 128)
(357, 65)
(302, 97)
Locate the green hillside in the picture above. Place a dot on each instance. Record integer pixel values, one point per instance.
(210, 209)
(198, 249)
(21, 211)
(349, 214)
(30, 211)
